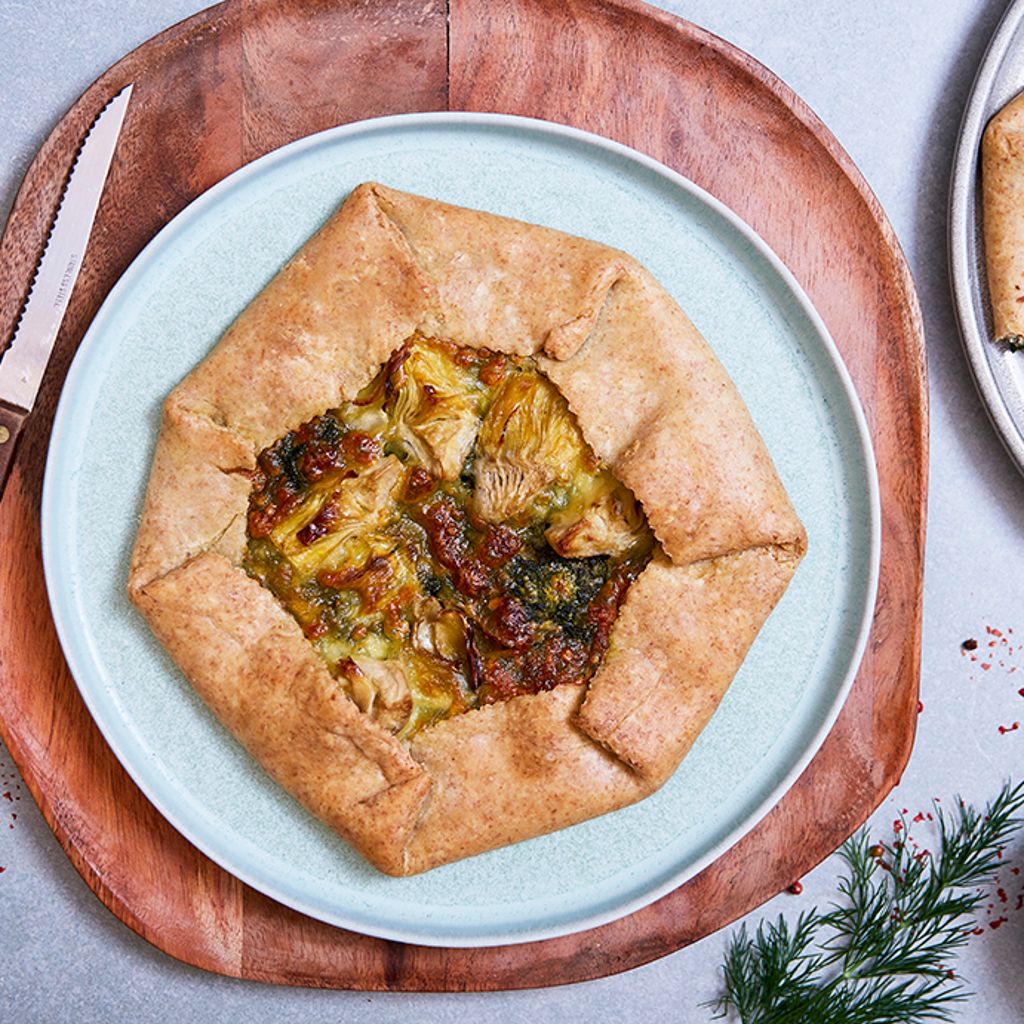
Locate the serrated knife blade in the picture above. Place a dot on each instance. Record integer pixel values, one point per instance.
(24, 362)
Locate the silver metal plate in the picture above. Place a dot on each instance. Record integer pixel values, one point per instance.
(998, 373)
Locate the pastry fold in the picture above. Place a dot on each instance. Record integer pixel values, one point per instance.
(652, 401)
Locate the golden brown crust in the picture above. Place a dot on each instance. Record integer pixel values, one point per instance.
(510, 771)
(679, 639)
(497, 283)
(652, 401)
(660, 411)
(251, 664)
(1002, 180)
(193, 456)
(318, 331)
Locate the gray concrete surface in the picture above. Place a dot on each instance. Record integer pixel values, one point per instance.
(890, 80)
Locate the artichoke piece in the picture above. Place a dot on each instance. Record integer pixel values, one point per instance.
(435, 410)
(367, 497)
(611, 525)
(337, 650)
(375, 577)
(436, 688)
(284, 532)
(355, 509)
(381, 689)
(528, 440)
(443, 635)
(370, 419)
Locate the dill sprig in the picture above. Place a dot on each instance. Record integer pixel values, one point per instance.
(884, 954)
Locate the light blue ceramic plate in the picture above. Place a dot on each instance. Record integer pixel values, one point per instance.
(168, 311)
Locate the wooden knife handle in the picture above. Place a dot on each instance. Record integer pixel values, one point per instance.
(12, 419)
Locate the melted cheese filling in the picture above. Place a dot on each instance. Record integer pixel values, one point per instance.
(448, 538)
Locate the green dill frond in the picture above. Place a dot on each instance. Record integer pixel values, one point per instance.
(882, 954)
(776, 961)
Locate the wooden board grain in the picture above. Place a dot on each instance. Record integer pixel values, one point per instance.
(242, 78)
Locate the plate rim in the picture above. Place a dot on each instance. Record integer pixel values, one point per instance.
(864, 449)
(966, 283)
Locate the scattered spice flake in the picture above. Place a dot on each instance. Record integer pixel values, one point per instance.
(977, 931)
(1001, 893)
(970, 644)
(796, 888)
(1020, 901)
(1015, 871)
(985, 666)
(1004, 729)
(7, 796)
(920, 707)
(897, 825)
(997, 922)
(918, 817)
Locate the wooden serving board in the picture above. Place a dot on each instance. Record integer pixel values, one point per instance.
(247, 76)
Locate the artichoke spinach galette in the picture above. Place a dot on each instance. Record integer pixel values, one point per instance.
(461, 529)
(447, 539)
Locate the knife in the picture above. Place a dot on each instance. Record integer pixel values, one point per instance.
(23, 364)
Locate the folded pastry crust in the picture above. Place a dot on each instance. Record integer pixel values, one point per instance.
(1002, 181)
(650, 398)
